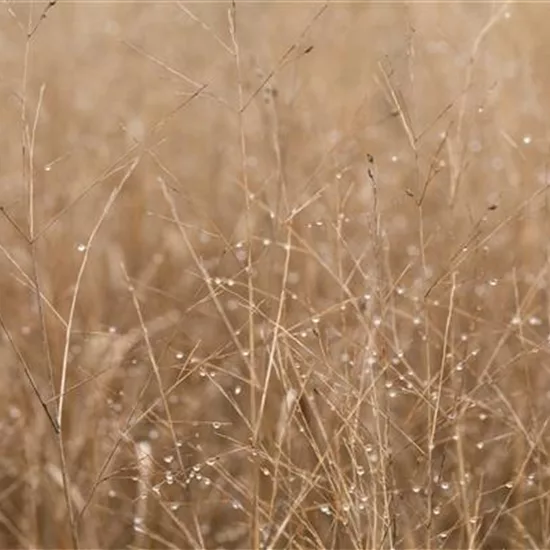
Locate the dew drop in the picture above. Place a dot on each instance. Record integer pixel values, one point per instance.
(14, 412)
(497, 164)
(475, 146)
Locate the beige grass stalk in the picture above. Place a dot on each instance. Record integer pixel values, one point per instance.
(255, 526)
(274, 340)
(156, 370)
(456, 147)
(206, 27)
(145, 473)
(65, 362)
(118, 350)
(29, 134)
(434, 416)
(28, 373)
(31, 238)
(204, 273)
(106, 209)
(145, 461)
(401, 108)
(504, 504)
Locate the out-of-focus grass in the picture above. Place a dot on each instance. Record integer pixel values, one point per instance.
(288, 266)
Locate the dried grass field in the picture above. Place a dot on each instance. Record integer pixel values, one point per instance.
(274, 275)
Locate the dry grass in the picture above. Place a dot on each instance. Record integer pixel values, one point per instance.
(274, 275)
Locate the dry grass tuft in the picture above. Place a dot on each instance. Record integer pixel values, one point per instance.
(274, 275)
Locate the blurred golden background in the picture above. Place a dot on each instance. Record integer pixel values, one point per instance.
(277, 272)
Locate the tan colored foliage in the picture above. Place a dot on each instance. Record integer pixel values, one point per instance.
(278, 272)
